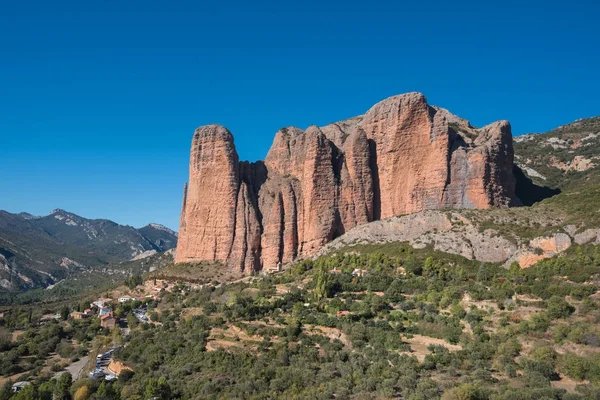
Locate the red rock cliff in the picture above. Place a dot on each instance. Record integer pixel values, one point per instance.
(401, 157)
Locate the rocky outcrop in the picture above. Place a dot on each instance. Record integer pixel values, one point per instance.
(539, 249)
(401, 157)
(457, 232)
(208, 219)
(450, 232)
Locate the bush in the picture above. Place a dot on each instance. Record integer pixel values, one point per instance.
(558, 307)
(466, 391)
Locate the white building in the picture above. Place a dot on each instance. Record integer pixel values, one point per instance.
(125, 299)
(17, 387)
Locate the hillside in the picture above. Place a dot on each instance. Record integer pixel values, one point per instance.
(40, 251)
(89, 281)
(562, 158)
(389, 323)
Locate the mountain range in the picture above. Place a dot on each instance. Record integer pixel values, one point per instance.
(40, 251)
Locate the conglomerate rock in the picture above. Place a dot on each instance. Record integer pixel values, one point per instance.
(401, 157)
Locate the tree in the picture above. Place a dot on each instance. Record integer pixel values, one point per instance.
(323, 284)
(294, 327)
(157, 388)
(412, 265)
(135, 280)
(29, 392)
(514, 271)
(46, 390)
(64, 313)
(6, 391)
(83, 393)
(105, 392)
(151, 388)
(117, 337)
(394, 292)
(164, 390)
(558, 307)
(430, 267)
(63, 386)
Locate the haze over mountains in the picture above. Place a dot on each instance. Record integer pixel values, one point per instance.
(39, 251)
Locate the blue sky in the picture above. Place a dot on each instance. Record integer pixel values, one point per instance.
(99, 99)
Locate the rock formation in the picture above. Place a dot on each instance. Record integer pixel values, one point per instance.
(401, 157)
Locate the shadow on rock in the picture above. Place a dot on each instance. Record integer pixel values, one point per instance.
(528, 192)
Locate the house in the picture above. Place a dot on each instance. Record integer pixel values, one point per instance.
(108, 321)
(78, 315)
(104, 311)
(88, 312)
(125, 299)
(336, 271)
(17, 387)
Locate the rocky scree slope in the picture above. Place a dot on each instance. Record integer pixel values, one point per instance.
(401, 157)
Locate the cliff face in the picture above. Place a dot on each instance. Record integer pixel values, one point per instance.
(401, 157)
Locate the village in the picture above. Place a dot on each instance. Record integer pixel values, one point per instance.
(111, 311)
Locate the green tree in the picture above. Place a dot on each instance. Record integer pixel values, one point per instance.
(105, 392)
(430, 267)
(46, 389)
(64, 313)
(394, 292)
(6, 391)
(29, 392)
(514, 270)
(323, 283)
(63, 386)
(558, 307)
(157, 388)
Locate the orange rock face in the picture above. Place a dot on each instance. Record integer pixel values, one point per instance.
(209, 211)
(401, 157)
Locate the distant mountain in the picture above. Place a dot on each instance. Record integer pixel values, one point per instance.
(160, 236)
(39, 251)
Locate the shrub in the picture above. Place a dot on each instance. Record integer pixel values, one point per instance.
(558, 307)
(466, 391)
